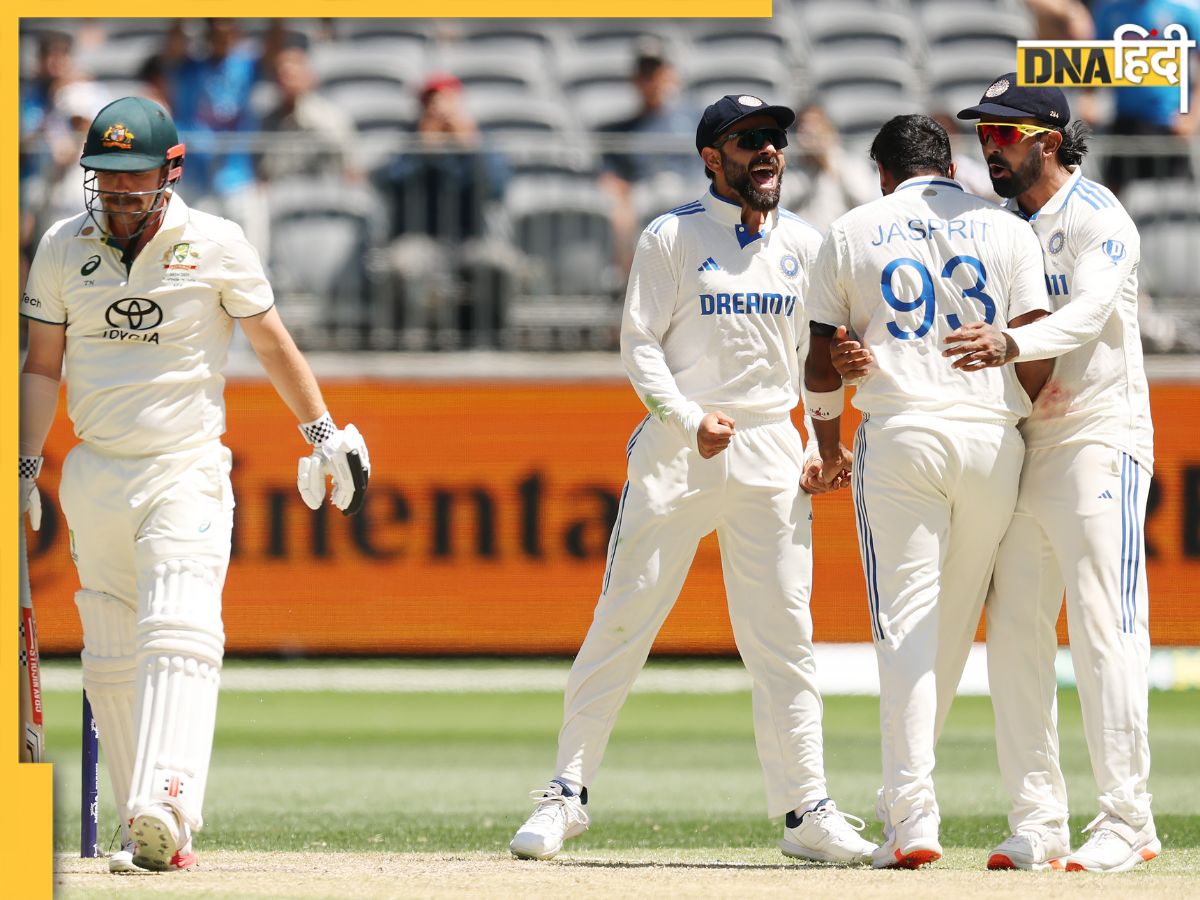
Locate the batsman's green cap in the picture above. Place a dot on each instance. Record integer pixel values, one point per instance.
(132, 134)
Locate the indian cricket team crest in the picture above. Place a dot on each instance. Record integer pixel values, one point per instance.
(1055, 244)
(118, 137)
(998, 88)
(789, 265)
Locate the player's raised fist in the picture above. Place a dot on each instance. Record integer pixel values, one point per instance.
(714, 434)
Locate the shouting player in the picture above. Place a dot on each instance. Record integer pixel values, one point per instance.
(1081, 513)
(937, 458)
(140, 293)
(713, 332)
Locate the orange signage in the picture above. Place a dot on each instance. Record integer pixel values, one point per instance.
(487, 522)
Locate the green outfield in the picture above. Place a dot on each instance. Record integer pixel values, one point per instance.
(448, 773)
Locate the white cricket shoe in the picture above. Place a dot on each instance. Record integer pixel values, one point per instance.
(826, 834)
(121, 861)
(162, 843)
(1114, 846)
(1033, 848)
(559, 815)
(914, 844)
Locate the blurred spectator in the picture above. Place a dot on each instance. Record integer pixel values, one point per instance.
(58, 198)
(661, 176)
(822, 181)
(969, 170)
(316, 135)
(156, 84)
(442, 194)
(1149, 111)
(49, 139)
(210, 100)
(1061, 20)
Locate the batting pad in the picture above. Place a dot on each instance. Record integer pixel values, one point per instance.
(180, 644)
(109, 677)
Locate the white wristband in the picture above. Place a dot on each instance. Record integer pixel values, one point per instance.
(318, 430)
(824, 405)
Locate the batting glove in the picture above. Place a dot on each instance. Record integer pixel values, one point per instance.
(31, 500)
(339, 453)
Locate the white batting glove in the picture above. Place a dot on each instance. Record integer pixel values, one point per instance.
(339, 453)
(31, 500)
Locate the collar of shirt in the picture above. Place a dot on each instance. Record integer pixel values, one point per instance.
(729, 213)
(934, 180)
(1055, 204)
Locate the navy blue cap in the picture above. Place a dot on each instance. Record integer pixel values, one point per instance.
(719, 117)
(1004, 97)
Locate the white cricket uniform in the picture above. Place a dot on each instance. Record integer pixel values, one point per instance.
(937, 458)
(1079, 522)
(714, 320)
(146, 492)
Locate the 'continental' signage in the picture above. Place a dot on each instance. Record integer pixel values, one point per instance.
(487, 521)
(1135, 57)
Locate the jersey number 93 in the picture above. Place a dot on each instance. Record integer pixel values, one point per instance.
(926, 298)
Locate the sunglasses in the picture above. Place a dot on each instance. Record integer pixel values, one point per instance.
(756, 138)
(1004, 134)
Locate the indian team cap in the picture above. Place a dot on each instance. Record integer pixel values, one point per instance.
(1004, 97)
(132, 134)
(719, 117)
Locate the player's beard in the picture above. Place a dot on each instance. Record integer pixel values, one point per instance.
(1016, 181)
(738, 178)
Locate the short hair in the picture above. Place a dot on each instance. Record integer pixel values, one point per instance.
(1074, 146)
(912, 145)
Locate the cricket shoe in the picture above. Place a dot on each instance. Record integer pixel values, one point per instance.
(1033, 849)
(914, 844)
(161, 842)
(559, 815)
(1114, 846)
(826, 834)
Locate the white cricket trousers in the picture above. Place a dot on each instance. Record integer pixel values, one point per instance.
(1079, 524)
(750, 494)
(932, 501)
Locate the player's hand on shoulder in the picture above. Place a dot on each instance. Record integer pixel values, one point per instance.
(30, 499)
(851, 359)
(978, 345)
(714, 434)
(340, 453)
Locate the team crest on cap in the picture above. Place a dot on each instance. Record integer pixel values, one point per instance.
(117, 135)
(998, 88)
(747, 100)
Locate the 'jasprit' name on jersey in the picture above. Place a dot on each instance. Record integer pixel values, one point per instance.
(926, 229)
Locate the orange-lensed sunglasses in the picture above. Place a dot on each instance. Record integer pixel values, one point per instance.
(1006, 133)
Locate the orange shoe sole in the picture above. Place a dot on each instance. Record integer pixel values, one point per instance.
(915, 859)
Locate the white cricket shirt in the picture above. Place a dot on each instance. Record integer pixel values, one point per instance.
(145, 348)
(904, 271)
(714, 316)
(1098, 390)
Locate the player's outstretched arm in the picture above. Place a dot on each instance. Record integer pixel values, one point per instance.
(341, 453)
(823, 399)
(40, 376)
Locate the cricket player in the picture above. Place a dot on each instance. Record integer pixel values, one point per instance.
(713, 331)
(1081, 514)
(139, 294)
(938, 455)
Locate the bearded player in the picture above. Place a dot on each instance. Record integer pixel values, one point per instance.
(139, 294)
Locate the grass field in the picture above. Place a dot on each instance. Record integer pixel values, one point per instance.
(341, 776)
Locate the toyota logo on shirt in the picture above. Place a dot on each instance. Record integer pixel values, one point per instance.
(134, 313)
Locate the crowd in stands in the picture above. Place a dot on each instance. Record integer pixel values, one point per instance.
(419, 183)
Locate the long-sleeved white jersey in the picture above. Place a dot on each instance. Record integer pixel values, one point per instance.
(904, 271)
(1098, 390)
(715, 316)
(145, 347)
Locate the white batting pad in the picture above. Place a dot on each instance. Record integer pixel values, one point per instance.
(180, 646)
(109, 670)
